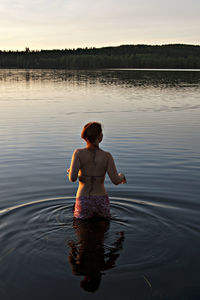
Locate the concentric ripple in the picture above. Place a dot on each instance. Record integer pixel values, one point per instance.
(35, 238)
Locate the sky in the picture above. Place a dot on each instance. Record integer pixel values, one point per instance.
(60, 24)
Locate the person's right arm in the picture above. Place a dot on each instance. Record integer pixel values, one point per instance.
(115, 177)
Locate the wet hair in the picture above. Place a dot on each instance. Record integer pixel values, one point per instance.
(91, 131)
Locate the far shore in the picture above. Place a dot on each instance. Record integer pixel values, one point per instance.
(126, 57)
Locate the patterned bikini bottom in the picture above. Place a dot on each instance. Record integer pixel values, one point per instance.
(92, 206)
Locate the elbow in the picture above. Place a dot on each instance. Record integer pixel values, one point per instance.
(115, 182)
(72, 178)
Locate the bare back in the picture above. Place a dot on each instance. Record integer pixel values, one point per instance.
(90, 166)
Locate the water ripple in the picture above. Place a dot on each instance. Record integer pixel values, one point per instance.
(149, 232)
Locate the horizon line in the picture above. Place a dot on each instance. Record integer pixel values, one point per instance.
(98, 47)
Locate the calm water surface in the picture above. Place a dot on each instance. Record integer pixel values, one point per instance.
(150, 247)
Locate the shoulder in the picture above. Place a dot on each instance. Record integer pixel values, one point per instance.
(107, 154)
(77, 152)
(80, 152)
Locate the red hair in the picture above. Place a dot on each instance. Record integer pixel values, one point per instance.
(91, 131)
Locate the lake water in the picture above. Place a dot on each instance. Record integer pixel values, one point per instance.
(150, 247)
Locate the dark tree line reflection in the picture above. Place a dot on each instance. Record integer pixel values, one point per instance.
(126, 78)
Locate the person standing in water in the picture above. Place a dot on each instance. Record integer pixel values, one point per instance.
(90, 166)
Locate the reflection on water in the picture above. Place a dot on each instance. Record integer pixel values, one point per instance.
(139, 252)
(107, 77)
(151, 123)
(88, 257)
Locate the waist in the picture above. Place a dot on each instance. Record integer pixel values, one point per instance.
(91, 180)
(93, 197)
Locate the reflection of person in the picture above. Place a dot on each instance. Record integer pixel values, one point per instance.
(89, 257)
(90, 165)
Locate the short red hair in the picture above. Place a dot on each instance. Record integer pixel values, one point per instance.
(91, 131)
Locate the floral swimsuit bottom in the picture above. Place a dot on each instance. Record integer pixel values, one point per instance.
(89, 206)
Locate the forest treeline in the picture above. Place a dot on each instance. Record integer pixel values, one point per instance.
(125, 56)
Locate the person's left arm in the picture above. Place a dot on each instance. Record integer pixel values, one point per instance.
(74, 167)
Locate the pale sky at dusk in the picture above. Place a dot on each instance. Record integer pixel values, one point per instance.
(59, 24)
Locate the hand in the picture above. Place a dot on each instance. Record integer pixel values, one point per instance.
(122, 177)
(124, 180)
(68, 170)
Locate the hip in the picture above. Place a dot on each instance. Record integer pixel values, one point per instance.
(88, 206)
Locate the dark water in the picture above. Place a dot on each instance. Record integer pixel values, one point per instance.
(150, 247)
